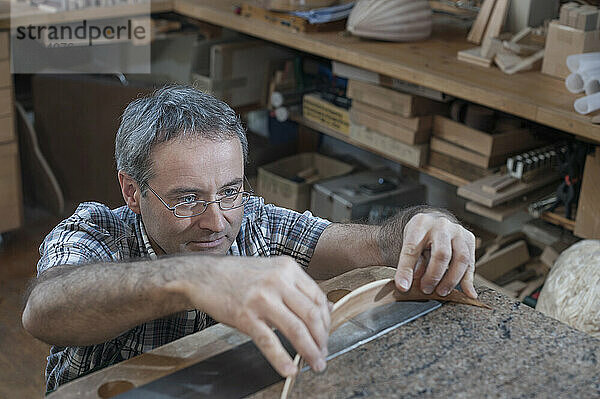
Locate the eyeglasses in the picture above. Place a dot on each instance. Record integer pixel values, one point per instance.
(188, 209)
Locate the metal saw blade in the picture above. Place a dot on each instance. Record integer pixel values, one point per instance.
(243, 370)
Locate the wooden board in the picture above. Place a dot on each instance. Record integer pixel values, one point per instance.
(473, 56)
(587, 222)
(474, 191)
(388, 127)
(496, 23)
(11, 204)
(481, 22)
(503, 261)
(403, 104)
(415, 155)
(499, 213)
(457, 167)
(508, 142)
(466, 155)
(414, 124)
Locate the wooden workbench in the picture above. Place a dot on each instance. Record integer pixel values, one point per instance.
(431, 63)
(455, 351)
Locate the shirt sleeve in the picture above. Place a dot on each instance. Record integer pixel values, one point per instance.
(294, 234)
(73, 241)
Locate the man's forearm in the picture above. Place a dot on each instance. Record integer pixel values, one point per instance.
(343, 247)
(89, 304)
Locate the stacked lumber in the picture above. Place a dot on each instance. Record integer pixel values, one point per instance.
(476, 142)
(508, 267)
(392, 122)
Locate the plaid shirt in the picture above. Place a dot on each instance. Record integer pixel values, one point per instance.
(95, 233)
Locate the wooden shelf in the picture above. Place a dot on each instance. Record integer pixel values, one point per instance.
(431, 63)
(25, 14)
(427, 169)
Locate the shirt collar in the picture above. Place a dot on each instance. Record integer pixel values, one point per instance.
(146, 241)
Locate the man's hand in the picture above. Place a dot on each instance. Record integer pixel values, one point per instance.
(275, 292)
(437, 254)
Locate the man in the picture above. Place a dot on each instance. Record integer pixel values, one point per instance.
(116, 283)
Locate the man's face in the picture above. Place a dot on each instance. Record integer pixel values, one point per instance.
(193, 169)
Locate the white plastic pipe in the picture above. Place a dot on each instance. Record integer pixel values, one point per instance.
(577, 81)
(574, 60)
(587, 104)
(592, 86)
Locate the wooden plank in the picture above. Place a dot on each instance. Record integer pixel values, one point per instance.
(11, 203)
(481, 22)
(494, 27)
(466, 155)
(474, 191)
(587, 222)
(458, 167)
(558, 220)
(473, 56)
(509, 142)
(389, 128)
(415, 124)
(415, 155)
(406, 105)
(7, 128)
(503, 261)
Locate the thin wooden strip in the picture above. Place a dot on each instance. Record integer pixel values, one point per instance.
(476, 33)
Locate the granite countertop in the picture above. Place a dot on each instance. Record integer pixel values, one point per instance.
(460, 351)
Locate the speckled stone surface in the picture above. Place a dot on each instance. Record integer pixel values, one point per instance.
(461, 351)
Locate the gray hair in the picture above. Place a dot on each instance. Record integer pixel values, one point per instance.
(171, 112)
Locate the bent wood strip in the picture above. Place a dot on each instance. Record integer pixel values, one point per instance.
(370, 296)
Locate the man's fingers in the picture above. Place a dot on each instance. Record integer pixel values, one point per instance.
(441, 254)
(297, 332)
(459, 264)
(414, 242)
(467, 282)
(315, 317)
(270, 346)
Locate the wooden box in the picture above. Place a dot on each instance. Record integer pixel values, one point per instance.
(509, 142)
(414, 130)
(11, 208)
(406, 105)
(320, 111)
(562, 41)
(414, 155)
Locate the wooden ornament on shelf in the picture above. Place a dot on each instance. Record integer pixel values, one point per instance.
(391, 20)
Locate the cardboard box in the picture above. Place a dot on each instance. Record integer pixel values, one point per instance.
(414, 155)
(406, 105)
(11, 207)
(563, 41)
(414, 130)
(350, 198)
(320, 111)
(275, 182)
